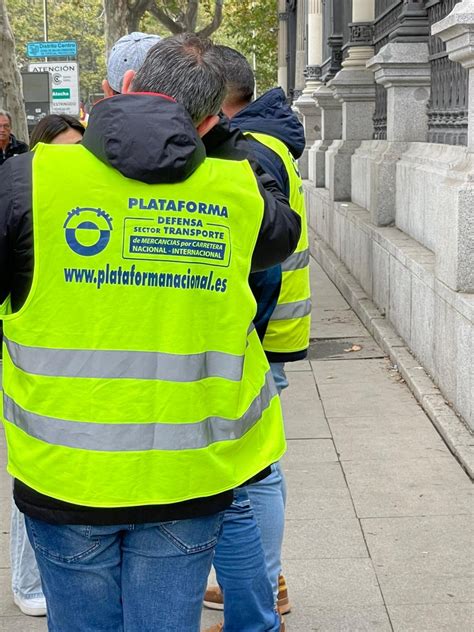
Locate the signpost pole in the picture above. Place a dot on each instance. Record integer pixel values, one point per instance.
(45, 22)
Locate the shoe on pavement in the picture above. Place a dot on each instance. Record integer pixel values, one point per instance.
(214, 600)
(35, 607)
(283, 602)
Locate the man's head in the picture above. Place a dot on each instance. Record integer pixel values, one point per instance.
(5, 127)
(188, 69)
(128, 53)
(240, 81)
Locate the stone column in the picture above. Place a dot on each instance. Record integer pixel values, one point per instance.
(402, 68)
(283, 45)
(331, 130)
(305, 104)
(354, 87)
(300, 48)
(457, 31)
(361, 27)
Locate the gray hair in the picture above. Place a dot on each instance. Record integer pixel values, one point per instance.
(7, 114)
(240, 77)
(187, 68)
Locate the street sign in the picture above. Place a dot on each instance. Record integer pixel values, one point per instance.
(64, 85)
(52, 49)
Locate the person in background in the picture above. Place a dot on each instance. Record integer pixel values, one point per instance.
(26, 581)
(57, 129)
(9, 145)
(128, 53)
(277, 140)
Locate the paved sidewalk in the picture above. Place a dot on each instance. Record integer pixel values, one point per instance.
(379, 532)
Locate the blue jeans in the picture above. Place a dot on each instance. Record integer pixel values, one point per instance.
(125, 578)
(268, 500)
(279, 375)
(26, 581)
(241, 572)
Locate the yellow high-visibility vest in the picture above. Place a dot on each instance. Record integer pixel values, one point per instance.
(133, 374)
(289, 327)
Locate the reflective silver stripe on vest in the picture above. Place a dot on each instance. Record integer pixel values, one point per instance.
(287, 311)
(296, 261)
(145, 365)
(119, 437)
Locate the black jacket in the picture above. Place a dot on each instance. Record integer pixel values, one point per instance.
(266, 284)
(153, 140)
(271, 114)
(14, 148)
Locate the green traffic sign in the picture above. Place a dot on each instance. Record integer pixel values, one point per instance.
(61, 93)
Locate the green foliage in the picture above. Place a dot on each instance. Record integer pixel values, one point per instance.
(249, 25)
(80, 20)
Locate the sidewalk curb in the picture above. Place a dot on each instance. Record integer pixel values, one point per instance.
(452, 428)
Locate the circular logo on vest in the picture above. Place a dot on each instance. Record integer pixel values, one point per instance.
(87, 230)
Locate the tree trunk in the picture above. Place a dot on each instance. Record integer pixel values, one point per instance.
(11, 90)
(116, 22)
(122, 17)
(191, 15)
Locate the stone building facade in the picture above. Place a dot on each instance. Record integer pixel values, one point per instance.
(386, 92)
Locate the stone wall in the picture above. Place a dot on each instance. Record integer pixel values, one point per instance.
(419, 270)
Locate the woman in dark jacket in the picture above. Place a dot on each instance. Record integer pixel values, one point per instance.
(26, 583)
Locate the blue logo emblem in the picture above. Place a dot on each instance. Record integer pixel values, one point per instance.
(87, 230)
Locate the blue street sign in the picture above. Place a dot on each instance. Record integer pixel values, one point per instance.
(52, 49)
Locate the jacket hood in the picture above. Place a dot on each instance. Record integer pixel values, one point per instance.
(147, 137)
(271, 114)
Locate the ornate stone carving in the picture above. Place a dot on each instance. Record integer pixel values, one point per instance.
(312, 73)
(283, 16)
(362, 33)
(335, 44)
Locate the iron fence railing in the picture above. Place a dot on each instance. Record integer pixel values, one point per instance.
(448, 105)
(387, 14)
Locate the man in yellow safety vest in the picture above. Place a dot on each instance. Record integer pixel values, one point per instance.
(137, 395)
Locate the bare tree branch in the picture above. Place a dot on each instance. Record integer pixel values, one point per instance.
(216, 20)
(165, 19)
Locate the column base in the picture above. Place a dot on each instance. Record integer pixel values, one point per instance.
(311, 113)
(338, 168)
(374, 175)
(317, 162)
(355, 89)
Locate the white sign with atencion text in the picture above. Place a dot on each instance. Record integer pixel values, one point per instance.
(64, 85)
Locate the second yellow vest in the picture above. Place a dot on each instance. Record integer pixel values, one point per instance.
(289, 327)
